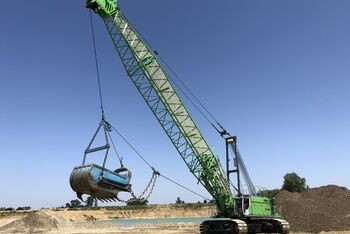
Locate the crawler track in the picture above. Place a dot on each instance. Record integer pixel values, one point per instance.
(237, 226)
(223, 226)
(283, 224)
(267, 225)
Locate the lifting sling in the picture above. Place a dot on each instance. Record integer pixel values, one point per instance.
(95, 180)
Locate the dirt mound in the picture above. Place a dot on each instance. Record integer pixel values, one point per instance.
(35, 222)
(325, 208)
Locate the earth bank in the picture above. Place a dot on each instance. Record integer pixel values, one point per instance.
(320, 210)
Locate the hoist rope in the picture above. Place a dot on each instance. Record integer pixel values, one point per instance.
(100, 88)
(190, 92)
(201, 108)
(165, 177)
(133, 148)
(96, 61)
(184, 187)
(189, 98)
(115, 150)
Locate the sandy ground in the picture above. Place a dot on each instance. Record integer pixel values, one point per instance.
(53, 222)
(165, 228)
(109, 228)
(3, 222)
(155, 229)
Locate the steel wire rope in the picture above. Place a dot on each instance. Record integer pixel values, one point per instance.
(96, 61)
(183, 83)
(115, 150)
(102, 108)
(100, 88)
(189, 91)
(186, 95)
(132, 147)
(160, 174)
(222, 132)
(167, 178)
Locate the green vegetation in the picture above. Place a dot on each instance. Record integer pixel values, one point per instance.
(179, 201)
(270, 193)
(74, 204)
(24, 208)
(294, 183)
(90, 201)
(137, 202)
(13, 209)
(7, 209)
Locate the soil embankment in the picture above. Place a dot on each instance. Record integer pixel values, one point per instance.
(319, 210)
(325, 208)
(86, 221)
(147, 212)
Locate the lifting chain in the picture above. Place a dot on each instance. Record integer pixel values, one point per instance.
(150, 187)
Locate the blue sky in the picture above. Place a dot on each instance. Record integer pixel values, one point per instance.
(275, 73)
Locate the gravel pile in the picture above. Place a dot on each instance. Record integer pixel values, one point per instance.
(34, 222)
(325, 208)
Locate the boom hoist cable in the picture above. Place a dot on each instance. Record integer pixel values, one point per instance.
(187, 92)
(202, 109)
(151, 80)
(105, 185)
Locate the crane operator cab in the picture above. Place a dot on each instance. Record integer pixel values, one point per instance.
(98, 181)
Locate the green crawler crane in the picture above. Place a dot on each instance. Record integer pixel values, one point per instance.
(236, 214)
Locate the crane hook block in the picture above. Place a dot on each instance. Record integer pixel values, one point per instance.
(99, 182)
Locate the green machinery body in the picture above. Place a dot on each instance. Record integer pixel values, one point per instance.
(152, 82)
(260, 206)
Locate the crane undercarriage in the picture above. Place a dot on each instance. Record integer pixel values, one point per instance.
(244, 226)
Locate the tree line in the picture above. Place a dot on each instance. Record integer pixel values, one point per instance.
(292, 182)
(13, 209)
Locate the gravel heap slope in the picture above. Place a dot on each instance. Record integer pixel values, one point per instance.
(326, 208)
